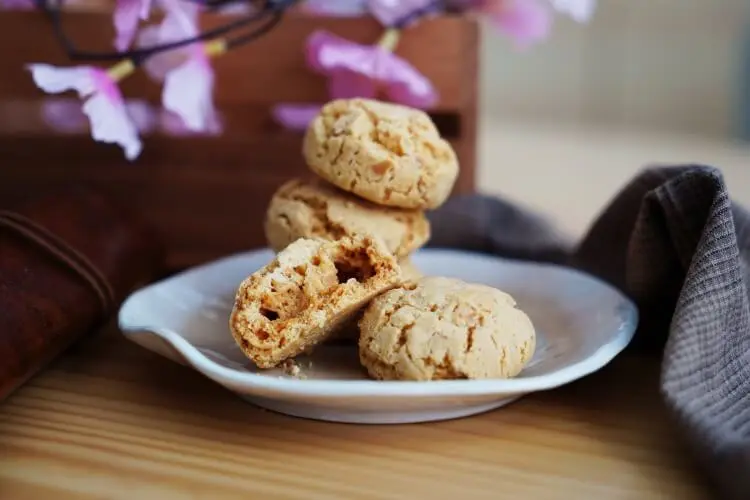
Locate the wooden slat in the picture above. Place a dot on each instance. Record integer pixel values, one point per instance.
(249, 137)
(267, 71)
(27, 116)
(206, 197)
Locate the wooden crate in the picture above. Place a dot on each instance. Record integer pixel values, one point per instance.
(208, 196)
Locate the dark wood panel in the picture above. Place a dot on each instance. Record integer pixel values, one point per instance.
(162, 161)
(27, 117)
(267, 71)
(207, 195)
(204, 208)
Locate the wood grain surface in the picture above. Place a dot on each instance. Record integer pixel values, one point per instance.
(111, 420)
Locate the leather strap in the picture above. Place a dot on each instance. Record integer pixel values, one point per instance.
(64, 253)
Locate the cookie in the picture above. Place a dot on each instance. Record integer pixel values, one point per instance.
(387, 153)
(443, 328)
(311, 290)
(313, 209)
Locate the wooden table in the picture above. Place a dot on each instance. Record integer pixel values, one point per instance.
(111, 420)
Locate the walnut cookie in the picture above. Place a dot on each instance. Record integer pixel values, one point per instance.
(443, 328)
(387, 153)
(311, 290)
(313, 209)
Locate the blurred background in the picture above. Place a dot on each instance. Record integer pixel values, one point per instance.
(677, 65)
(646, 81)
(562, 125)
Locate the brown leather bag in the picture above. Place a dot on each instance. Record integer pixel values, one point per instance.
(66, 263)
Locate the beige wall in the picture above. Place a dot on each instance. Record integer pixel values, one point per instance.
(646, 64)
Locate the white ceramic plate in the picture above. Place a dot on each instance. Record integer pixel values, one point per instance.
(581, 322)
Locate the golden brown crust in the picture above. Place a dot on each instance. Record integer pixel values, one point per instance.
(386, 153)
(314, 209)
(309, 292)
(442, 328)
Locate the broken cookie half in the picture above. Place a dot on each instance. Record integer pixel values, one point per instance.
(311, 291)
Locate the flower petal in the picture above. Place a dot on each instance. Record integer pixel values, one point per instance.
(326, 52)
(236, 9)
(171, 124)
(357, 70)
(188, 92)
(525, 21)
(54, 80)
(145, 11)
(339, 8)
(181, 17)
(295, 116)
(17, 5)
(142, 114)
(580, 10)
(179, 23)
(126, 17)
(109, 119)
(393, 12)
(405, 84)
(64, 115)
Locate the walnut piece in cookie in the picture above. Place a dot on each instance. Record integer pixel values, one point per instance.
(314, 209)
(310, 291)
(387, 153)
(442, 328)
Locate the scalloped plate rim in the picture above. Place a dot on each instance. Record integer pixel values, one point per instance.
(254, 383)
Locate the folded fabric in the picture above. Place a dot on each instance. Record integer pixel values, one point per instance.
(676, 244)
(66, 261)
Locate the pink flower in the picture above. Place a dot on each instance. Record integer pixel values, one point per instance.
(171, 29)
(580, 10)
(338, 8)
(355, 70)
(391, 12)
(529, 21)
(188, 91)
(127, 15)
(295, 116)
(525, 21)
(236, 9)
(65, 115)
(387, 12)
(171, 124)
(17, 5)
(186, 72)
(103, 103)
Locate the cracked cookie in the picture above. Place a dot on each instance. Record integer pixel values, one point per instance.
(309, 292)
(443, 328)
(313, 209)
(389, 154)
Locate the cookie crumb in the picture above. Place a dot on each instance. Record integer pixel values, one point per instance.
(291, 368)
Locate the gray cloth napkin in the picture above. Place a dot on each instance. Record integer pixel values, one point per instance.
(676, 244)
